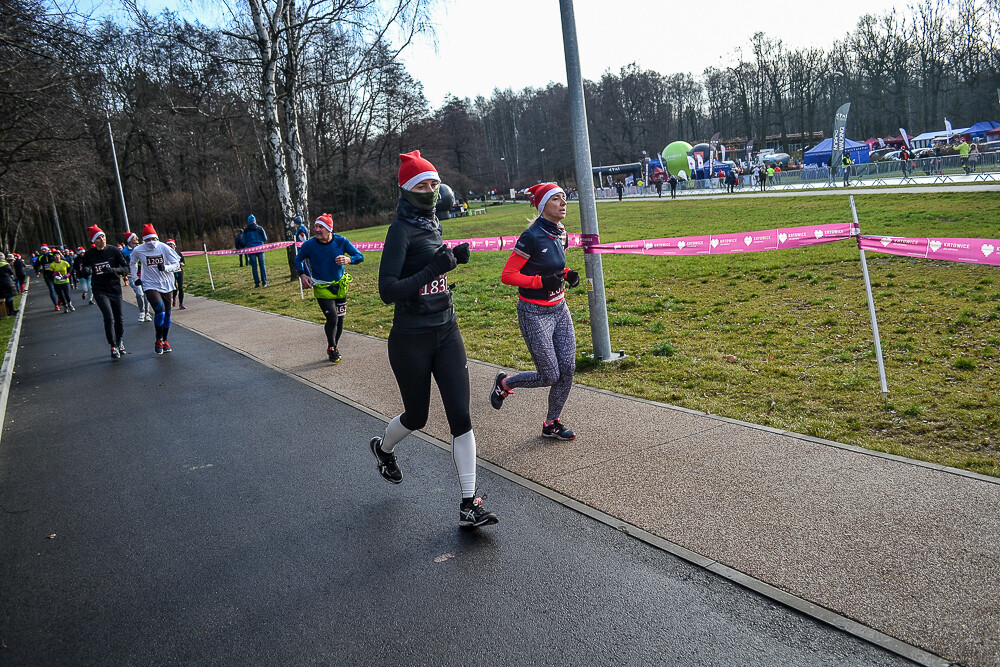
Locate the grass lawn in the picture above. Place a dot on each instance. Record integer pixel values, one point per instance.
(6, 328)
(779, 338)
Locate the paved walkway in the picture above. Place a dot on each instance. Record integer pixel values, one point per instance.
(908, 549)
(201, 508)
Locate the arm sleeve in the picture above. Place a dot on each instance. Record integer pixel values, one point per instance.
(352, 252)
(133, 263)
(391, 287)
(512, 275)
(300, 260)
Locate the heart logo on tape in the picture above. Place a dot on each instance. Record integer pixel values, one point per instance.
(748, 240)
(680, 245)
(987, 249)
(934, 245)
(715, 243)
(782, 237)
(818, 233)
(885, 240)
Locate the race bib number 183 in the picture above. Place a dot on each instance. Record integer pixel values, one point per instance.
(436, 286)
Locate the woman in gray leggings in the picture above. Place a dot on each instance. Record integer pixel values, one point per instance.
(537, 267)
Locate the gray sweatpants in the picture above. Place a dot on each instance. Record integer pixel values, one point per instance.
(548, 332)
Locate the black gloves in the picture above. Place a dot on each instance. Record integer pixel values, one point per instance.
(443, 261)
(161, 268)
(552, 283)
(572, 278)
(461, 252)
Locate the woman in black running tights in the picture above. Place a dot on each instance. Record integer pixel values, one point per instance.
(424, 340)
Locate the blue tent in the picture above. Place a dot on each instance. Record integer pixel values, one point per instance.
(819, 155)
(979, 130)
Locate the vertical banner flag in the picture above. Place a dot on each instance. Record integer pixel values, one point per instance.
(723, 148)
(713, 145)
(749, 151)
(947, 127)
(906, 138)
(881, 142)
(839, 135)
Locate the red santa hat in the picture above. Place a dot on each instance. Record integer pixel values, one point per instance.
(44, 248)
(171, 242)
(326, 220)
(129, 236)
(541, 193)
(93, 232)
(148, 232)
(415, 169)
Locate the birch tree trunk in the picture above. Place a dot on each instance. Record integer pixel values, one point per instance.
(266, 27)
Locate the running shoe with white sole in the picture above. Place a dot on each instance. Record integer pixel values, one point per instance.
(115, 354)
(387, 466)
(159, 346)
(334, 354)
(165, 346)
(558, 431)
(472, 515)
(121, 347)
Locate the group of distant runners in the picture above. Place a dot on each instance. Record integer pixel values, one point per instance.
(424, 341)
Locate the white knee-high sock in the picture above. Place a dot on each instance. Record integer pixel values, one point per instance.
(394, 432)
(463, 450)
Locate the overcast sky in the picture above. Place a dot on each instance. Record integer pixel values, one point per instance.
(487, 44)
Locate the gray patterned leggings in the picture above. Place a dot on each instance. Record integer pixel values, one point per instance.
(551, 340)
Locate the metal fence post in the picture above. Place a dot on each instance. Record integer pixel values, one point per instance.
(871, 303)
(599, 330)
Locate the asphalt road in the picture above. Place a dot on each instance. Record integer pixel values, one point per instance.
(200, 508)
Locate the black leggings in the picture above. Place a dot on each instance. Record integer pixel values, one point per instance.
(160, 303)
(414, 357)
(179, 292)
(111, 309)
(62, 291)
(334, 310)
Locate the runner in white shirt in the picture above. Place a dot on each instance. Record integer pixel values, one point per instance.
(158, 262)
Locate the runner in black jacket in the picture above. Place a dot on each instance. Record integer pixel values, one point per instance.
(425, 339)
(106, 265)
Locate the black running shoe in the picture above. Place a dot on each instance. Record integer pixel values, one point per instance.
(115, 354)
(334, 354)
(387, 466)
(499, 393)
(159, 346)
(558, 431)
(472, 515)
(121, 347)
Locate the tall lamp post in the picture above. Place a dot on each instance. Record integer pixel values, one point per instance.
(582, 164)
(543, 163)
(506, 170)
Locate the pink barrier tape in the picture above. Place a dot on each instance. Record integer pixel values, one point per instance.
(975, 251)
(715, 244)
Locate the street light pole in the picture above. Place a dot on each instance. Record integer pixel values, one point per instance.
(599, 331)
(118, 176)
(506, 170)
(543, 163)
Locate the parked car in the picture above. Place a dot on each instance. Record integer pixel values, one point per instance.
(989, 147)
(776, 160)
(882, 154)
(892, 155)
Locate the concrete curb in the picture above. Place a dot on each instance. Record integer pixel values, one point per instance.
(7, 369)
(801, 605)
